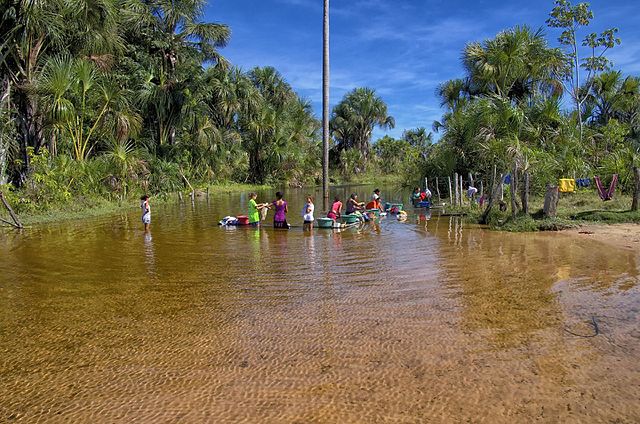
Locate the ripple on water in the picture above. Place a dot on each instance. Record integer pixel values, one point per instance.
(418, 321)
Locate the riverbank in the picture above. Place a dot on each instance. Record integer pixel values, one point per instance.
(574, 210)
(84, 207)
(623, 236)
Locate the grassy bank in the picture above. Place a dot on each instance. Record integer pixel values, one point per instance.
(372, 178)
(574, 209)
(83, 207)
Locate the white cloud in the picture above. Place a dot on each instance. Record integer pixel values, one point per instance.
(626, 57)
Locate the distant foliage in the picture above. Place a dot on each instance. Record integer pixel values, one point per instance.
(118, 97)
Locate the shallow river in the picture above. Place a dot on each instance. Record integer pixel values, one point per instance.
(416, 321)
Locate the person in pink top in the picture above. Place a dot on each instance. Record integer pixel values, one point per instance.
(336, 209)
(281, 209)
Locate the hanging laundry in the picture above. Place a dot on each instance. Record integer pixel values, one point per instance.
(567, 185)
(606, 194)
(583, 182)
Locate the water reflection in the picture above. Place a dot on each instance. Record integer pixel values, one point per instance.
(149, 254)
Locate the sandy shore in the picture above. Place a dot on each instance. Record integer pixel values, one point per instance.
(625, 236)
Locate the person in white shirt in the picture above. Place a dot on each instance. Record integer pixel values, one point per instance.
(146, 212)
(307, 214)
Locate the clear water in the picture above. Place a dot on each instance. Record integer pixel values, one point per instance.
(416, 321)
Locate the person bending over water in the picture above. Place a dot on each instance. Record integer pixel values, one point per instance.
(336, 209)
(146, 212)
(280, 216)
(353, 205)
(254, 210)
(307, 214)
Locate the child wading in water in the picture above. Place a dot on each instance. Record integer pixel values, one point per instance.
(307, 214)
(280, 217)
(146, 211)
(254, 210)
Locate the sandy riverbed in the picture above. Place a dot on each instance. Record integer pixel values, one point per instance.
(625, 236)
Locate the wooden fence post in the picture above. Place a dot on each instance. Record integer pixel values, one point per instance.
(455, 179)
(551, 201)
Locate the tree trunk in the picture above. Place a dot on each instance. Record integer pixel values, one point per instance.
(53, 144)
(30, 127)
(14, 217)
(493, 196)
(514, 191)
(172, 136)
(551, 201)
(524, 193)
(450, 192)
(5, 103)
(635, 204)
(325, 105)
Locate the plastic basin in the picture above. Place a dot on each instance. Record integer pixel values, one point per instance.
(350, 219)
(325, 222)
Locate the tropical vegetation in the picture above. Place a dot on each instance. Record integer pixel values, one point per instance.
(112, 98)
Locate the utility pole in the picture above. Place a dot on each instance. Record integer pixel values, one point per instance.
(325, 106)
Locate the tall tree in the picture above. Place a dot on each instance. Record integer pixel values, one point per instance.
(325, 104)
(571, 19)
(179, 44)
(355, 117)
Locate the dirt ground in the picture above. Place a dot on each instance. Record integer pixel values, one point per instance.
(625, 236)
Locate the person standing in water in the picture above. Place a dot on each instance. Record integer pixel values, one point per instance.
(307, 214)
(280, 216)
(254, 210)
(375, 202)
(336, 209)
(146, 212)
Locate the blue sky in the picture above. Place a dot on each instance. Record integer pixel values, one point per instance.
(401, 48)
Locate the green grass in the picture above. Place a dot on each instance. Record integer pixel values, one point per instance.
(574, 209)
(609, 217)
(372, 178)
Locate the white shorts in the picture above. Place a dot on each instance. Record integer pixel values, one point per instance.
(146, 219)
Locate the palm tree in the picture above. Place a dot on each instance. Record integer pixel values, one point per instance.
(36, 30)
(179, 45)
(29, 30)
(517, 64)
(325, 104)
(80, 102)
(355, 117)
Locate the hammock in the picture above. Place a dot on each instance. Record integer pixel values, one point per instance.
(606, 194)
